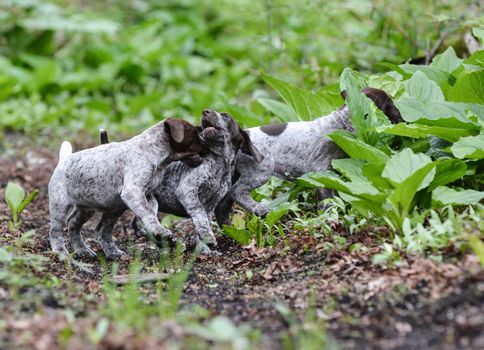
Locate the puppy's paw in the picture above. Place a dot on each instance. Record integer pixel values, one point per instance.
(203, 249)
(261, 211)
(60, 249)
(163, 241)
(208, 238)
(84, 253)
(114, 254)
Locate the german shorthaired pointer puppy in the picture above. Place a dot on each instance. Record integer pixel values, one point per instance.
(114, 177)
(195, 192)
(291, 150)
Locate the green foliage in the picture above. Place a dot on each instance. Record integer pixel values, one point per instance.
(261, 230)
(478, 248)
(126, 66)
(443, 229)
(304, 104)
(396, 185)
(17, 202)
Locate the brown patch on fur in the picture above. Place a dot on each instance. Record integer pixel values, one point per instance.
(274, 129)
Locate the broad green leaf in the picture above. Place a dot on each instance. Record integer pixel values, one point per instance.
(447, 171)
(331, 180)
(449, 114)
(468, 88)
(351, 168)
(404, 164)
(14, 195)
(274, 216)
(445, 195)
(416, 130)
(305, 104)
(479, 33)
(385, 82)
(279, 109)
(421, 87)
(447, 61)
(362, 117)
(476, 60)
(241, 236)
(373, 173)
(357, 149)
(471, 147)
(363, 206)
(405, 191)
(436, 74)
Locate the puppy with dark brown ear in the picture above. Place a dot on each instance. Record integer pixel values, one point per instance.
(195, 192)
(114, 177)
(291, 150)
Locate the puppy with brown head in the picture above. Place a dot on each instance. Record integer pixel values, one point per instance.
(195, 192)
(114, 177)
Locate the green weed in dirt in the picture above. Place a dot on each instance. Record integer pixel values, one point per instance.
(17, 202)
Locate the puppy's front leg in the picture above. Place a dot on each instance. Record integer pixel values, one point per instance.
(204, 236)
(135, 199)
(252, 175)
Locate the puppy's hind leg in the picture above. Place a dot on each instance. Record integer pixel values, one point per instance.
(58, 207)
(105, 236)
(75, 225)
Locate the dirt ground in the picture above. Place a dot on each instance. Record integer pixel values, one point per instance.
(420, 304)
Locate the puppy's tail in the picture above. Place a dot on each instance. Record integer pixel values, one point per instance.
(65, 151)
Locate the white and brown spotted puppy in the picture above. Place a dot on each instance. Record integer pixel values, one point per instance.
(114, 177)
(291, 150)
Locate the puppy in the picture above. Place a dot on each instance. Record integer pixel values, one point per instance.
(114, 177)
(291, 150)
(195, 192)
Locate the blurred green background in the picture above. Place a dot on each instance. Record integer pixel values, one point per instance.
(68, 67)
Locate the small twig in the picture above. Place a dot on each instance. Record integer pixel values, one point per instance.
(430, 54)
(140, 278)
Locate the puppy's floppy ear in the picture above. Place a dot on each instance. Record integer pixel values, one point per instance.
(248, 147)
(175, 129)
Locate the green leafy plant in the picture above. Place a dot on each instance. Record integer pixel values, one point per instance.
(17, 202)
(261, 230)
(398, 184)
